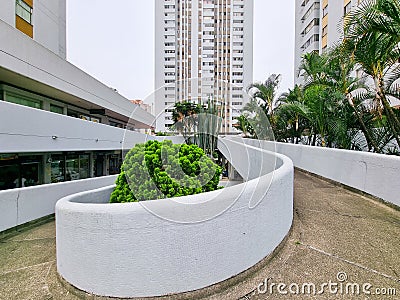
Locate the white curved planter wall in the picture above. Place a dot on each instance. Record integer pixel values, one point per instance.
(123, 250)
(375, 174)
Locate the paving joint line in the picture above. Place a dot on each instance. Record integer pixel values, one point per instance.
(29, 267)
(352, 263)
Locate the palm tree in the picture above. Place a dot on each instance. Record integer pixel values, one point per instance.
(344, 95)
(290, 123)
(255, 121)
(371, 37)
(244, 126)
(339, 67)
(265, 93)
(184, 117)
(312, 68)
(379, 16)
(318, 106)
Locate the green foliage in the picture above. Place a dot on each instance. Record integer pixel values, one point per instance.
(334, 108)
(263, 97)
(199, 124)
(209, 124)
(184, 116)
(157, 170)
(162, 134)
(244, 126)
(255, 122)
(371, 39)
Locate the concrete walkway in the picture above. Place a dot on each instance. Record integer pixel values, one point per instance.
(338, 236)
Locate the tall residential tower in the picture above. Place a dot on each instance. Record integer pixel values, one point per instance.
(319, 25)
(204, 50)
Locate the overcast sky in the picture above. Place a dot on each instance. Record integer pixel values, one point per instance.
(114, 42)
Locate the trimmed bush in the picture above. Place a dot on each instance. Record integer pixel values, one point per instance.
(157, 170)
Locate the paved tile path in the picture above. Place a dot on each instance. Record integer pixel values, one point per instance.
(335, 231)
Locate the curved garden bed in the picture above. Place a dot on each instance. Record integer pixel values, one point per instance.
(129, 250)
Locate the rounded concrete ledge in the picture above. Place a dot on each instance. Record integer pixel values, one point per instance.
(124, 250)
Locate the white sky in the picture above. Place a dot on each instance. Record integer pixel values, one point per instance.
(114, 42)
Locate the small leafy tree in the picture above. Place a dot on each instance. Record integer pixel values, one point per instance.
(184, 116)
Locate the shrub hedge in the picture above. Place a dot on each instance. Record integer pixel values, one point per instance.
(157, 170)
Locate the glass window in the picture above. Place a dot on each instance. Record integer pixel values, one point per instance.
(116, 124)
(23, 101)
(98, 164)
(57, 168)
(325, 11)
(23, 10)
(325, 30)
(9, 171)
(115, 164)
(56, 109)
(16, 172)
(84, 166)
(72, 113)
(72, 167)
(30, 171)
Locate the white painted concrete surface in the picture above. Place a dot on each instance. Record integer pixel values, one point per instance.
(25, 129)
(375, 174)
(7, 12)
(61, 79)
(124, 250)
(49, 25)
(22, 205)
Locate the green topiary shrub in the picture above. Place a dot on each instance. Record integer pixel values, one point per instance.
(157, 170)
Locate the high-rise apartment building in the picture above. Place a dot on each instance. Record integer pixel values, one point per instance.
(204, 50)
(318, 26)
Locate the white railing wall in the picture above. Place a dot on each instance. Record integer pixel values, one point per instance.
(18, 206)
(375, 174)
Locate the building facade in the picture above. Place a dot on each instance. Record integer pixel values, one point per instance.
(42, 20)
(58, 123)
(204, 50)
(318, 26)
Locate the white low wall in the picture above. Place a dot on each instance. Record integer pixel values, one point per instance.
(124, 250)
(18, 206)
(22, 126)
(39, 127)
(375, 174)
